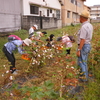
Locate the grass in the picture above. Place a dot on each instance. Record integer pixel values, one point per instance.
(47, 78)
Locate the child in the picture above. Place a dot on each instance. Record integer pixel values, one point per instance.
(67, 40)
(32, 29)
(50, 40)
(37, 36)
(9, 47)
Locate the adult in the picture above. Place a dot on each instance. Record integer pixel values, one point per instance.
(32, 29)
(9, 47)
(84, 43)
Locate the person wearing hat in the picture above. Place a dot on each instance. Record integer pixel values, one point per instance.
(9, 47)
(84, 37)
(37, 36)
(32, 29)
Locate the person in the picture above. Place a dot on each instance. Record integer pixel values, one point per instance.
(50, 40)
(32, 29)
(67, 40)
(84, 43)
(37, 36)
(9, 47)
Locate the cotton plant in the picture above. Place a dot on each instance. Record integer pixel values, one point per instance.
(42, 55)
(6, 71)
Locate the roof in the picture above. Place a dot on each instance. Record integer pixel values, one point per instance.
(95, 6)
(83, 0)
(87, 6)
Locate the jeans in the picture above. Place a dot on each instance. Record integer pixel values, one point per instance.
(10, 58)
(82, 60)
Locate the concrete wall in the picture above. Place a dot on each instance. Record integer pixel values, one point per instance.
(47, 22)
(10, 15)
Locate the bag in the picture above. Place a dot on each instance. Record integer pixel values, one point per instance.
(13, 37)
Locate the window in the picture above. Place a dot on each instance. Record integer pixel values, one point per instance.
(75, 2)
(34, 9)
(78, 4)
(48, 12)
(58, 14)
(68, 14)
(72, 1)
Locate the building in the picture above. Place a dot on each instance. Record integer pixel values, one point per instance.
(45, 13)
(87, 8)
(22, 14)
(95, 12)
(17, 14)
(10, 15)
(71, 10)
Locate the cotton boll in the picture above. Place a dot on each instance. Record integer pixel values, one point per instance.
(36, 62)
(72, 67)
(39, 55)
(45, 51)
(11, 94)
(43, 45)
(33, 63)
(57, 51)
(7, 71)
(4, 66)
(11, 77)
(2, 75)
(36, 50)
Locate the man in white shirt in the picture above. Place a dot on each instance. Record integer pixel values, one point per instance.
(84, 43)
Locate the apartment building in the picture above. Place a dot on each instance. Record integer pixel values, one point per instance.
(45, 13)
(87, 8)
(71, 10)
(95, 12)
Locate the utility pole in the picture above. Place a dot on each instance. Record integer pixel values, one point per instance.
(76, 10)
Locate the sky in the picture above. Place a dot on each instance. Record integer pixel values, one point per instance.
(92, 2)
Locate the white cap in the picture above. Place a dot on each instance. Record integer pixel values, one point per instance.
(35, 26)
(27, 41)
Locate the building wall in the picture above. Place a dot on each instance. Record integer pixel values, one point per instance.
(87, 8)
(95, 10)
(72, 8)
(43, 6)
(47, 22)
(42, 21)
(95, 13)
(10, 15)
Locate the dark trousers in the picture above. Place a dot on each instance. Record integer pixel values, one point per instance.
(10, 58)
(68, 51)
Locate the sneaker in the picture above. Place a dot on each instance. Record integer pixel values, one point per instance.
(17, 70)
(15, 73)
